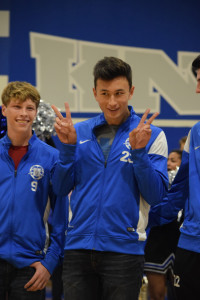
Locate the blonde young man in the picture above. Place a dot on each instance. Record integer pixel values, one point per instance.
(26, 163)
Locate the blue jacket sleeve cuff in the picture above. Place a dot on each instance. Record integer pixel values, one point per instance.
(67, 153)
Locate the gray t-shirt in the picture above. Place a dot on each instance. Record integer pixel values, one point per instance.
(105, 135)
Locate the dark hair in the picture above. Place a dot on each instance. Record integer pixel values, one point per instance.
(196, 65)
(109, 68)
(183, 139)
(179, 152)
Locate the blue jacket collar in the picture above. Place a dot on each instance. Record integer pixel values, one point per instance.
(7, 142)
(100, 119)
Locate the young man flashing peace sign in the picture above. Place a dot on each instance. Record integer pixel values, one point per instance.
(116, 165)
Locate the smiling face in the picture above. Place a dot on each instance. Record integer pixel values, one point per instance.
(174, 160)
(113, 96)
(20, 116)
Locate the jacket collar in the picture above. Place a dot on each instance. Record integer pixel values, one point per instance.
(7, 142)
(100, 119)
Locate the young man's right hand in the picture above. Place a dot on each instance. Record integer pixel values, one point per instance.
(64, 126)
(39, 279)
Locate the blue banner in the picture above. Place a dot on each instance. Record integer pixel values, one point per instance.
(55, 44)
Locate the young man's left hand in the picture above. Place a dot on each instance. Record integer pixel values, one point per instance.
(140, 136)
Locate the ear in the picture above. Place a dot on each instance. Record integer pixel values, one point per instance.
(36, 113)
(131, 92)
(3, 109)
(95, 93)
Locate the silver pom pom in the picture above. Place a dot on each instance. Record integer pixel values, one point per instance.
(172, 175)
(43, 124)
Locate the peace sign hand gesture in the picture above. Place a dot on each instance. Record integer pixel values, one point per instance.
(140, 136)
(64, 126)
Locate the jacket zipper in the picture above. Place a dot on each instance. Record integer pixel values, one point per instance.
(13, 199)
(102, 186)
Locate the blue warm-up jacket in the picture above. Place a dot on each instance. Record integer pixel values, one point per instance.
(111, 199)
(24, 200)
(184, 194)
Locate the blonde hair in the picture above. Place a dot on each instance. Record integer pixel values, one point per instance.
(20, 90)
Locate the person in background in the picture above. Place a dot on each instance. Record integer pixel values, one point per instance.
(116, 165)
(26, 261)
(161, 246)
(182, 142)
(174, 162)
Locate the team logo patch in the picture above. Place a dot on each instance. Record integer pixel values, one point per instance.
(36, 172)
(127, 144)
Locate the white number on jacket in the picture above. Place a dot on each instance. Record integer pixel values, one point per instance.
(126, 157)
